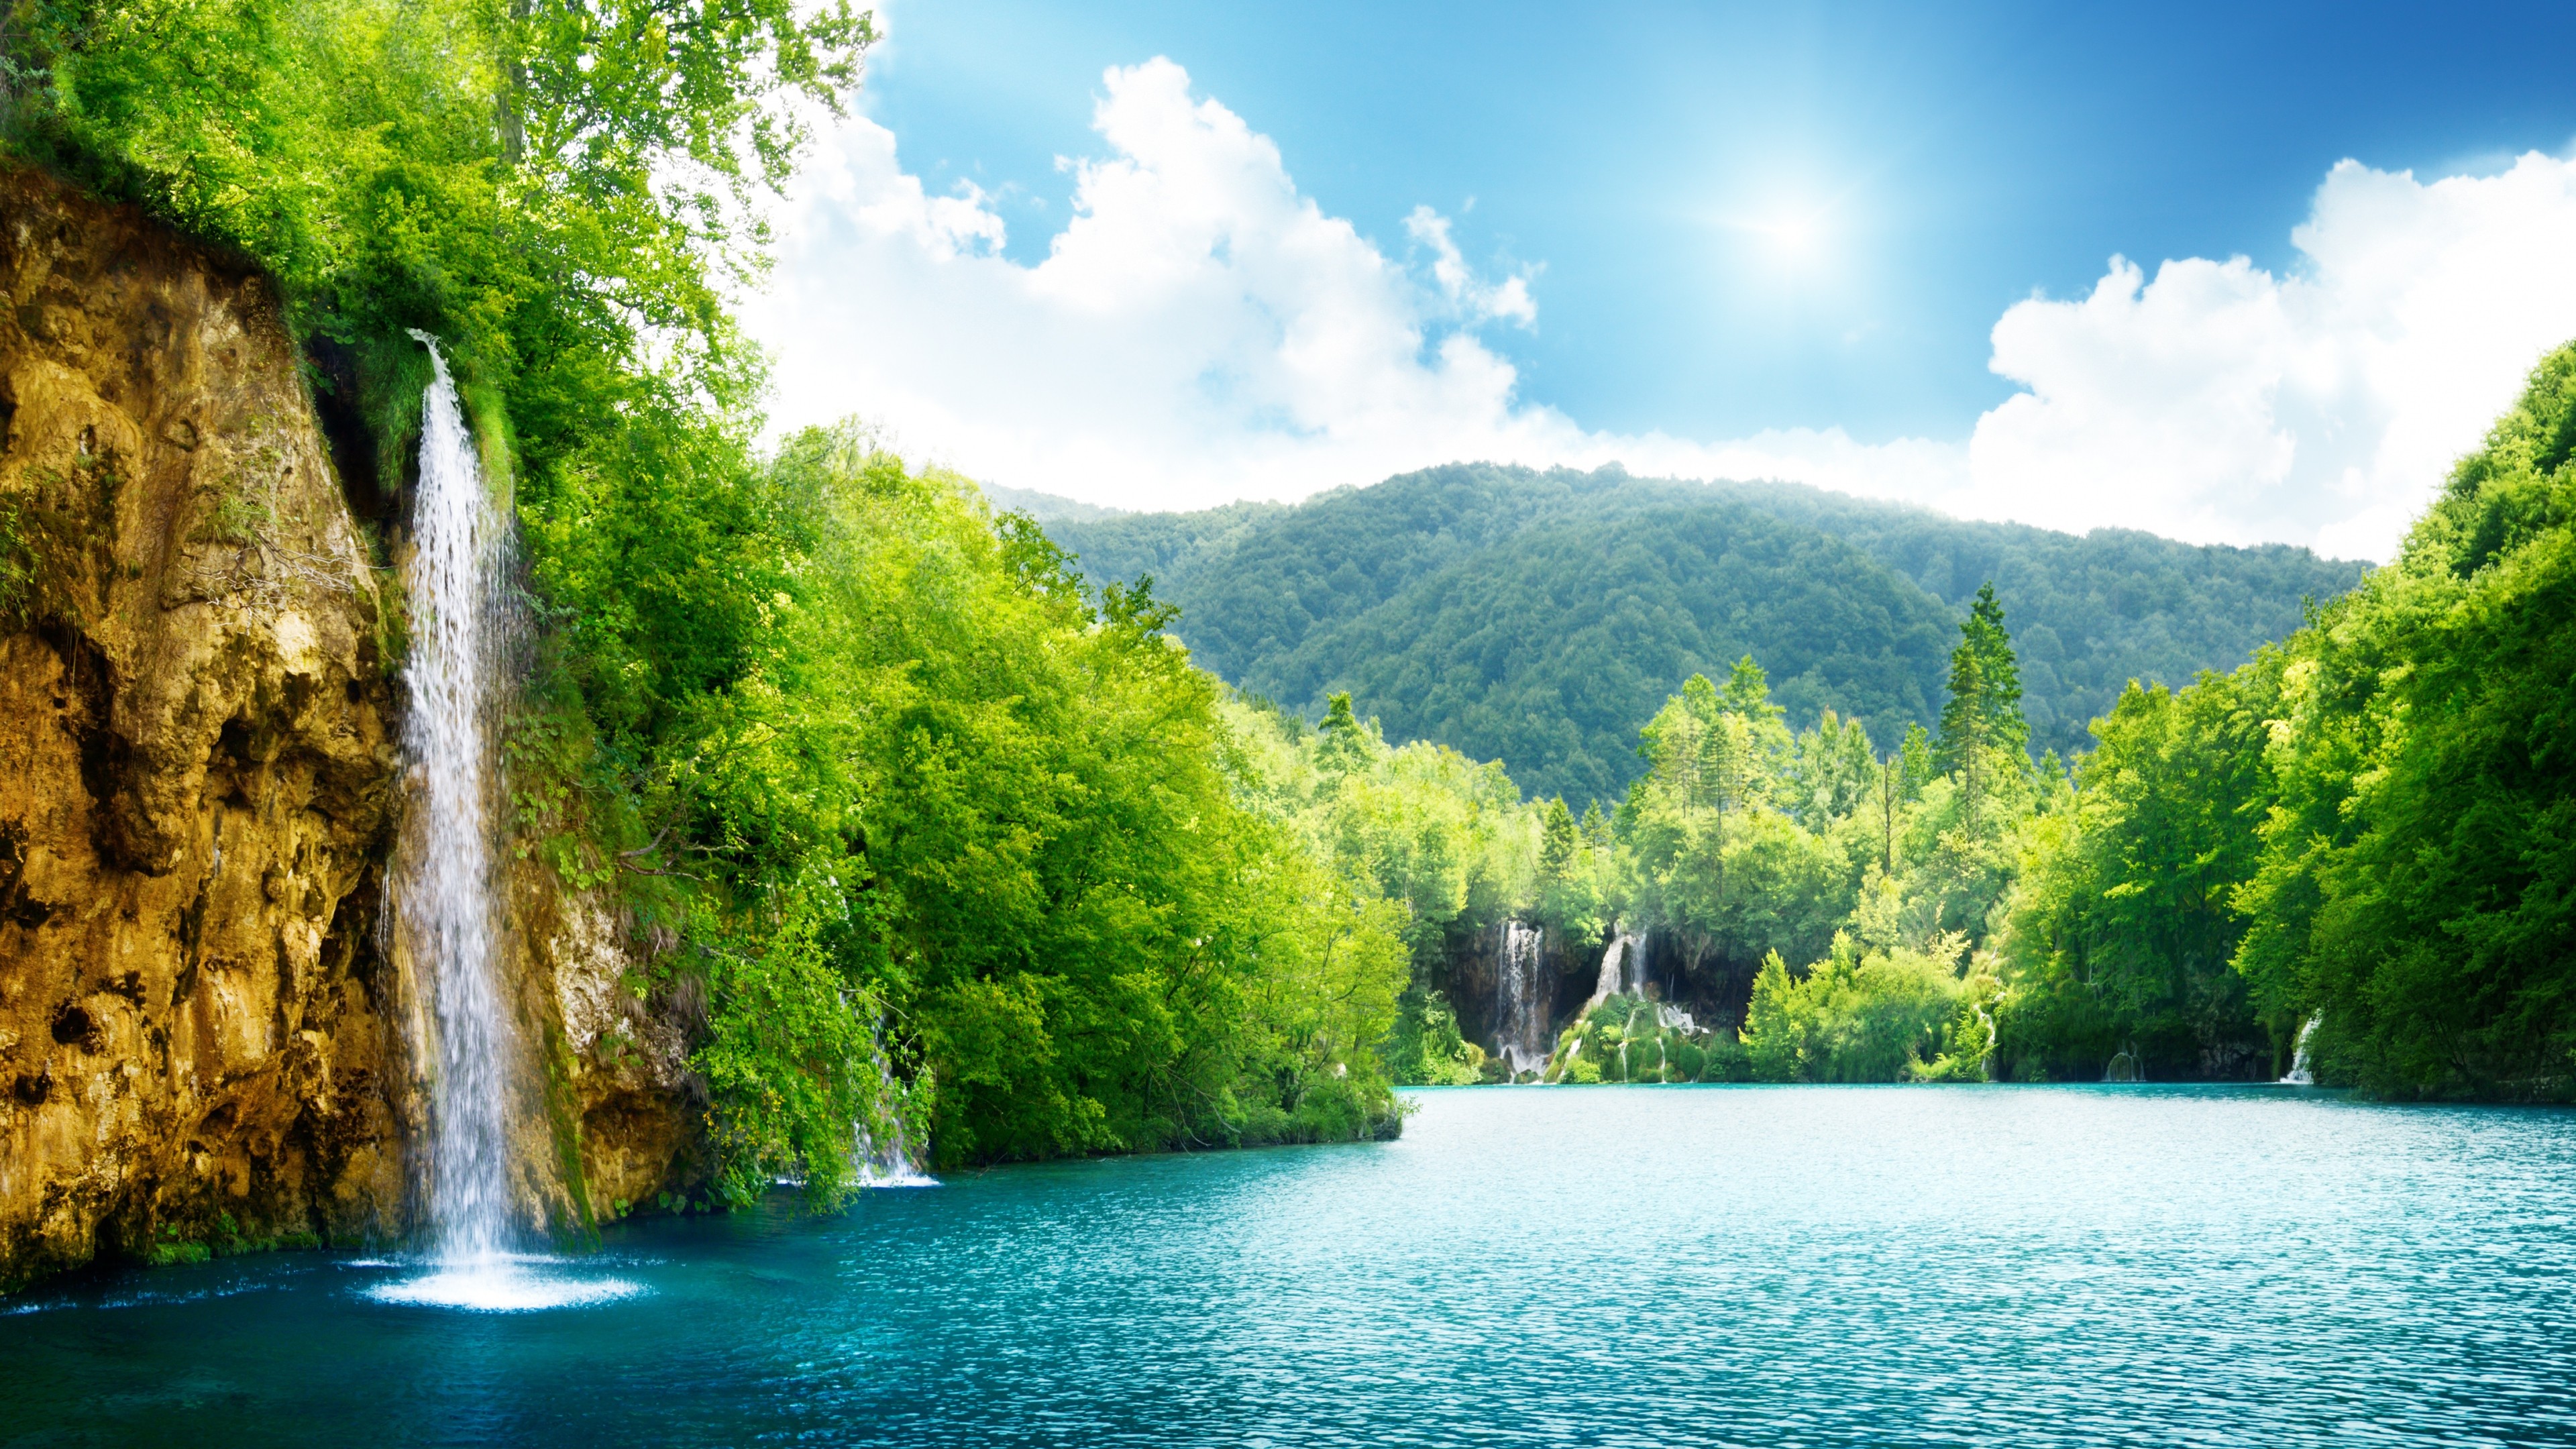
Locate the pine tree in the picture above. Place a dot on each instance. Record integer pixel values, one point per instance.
(1916, 756)
(1982, 729)
(1985, 628)
(1557, 847)
(1343, 745)
(1748, 693)
(1596, 827)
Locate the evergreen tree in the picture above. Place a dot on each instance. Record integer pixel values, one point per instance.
(1748, 693)
(1343, 745)
(1985, 629)
(1558, 840)
(1596, 827)
(1982, 729)
(1916, 757)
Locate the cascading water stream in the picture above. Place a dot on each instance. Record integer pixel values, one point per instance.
(1520, 1017)
(1623, 968)
(2300, 1073)
(885, 1158)
(446, 906)
(447, 890)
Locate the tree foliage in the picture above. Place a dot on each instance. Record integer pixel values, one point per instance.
(1536, 617)
(943, 841)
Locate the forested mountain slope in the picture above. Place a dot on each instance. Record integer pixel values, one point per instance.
(1536, 616)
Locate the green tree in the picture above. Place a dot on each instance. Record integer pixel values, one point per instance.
(2123, 922)
(1346, 745)
(2416, 885)
(1982, 730)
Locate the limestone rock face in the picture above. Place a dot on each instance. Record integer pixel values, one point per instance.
(616, 1069)
(195, 764)
(204, 1040)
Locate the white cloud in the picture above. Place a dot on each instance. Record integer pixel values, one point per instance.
(1201, 331)
(1472, 296)
(2222, 403)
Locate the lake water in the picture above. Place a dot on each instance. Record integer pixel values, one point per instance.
(1613, 1266)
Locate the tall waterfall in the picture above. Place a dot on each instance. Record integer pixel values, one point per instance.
(446, 902)
(447, 905)
(1520, 1011)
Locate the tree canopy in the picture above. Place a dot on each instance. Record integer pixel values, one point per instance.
(1536, 616)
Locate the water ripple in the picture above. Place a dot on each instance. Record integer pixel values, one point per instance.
(1612, 1266)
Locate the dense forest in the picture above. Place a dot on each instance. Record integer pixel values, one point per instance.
(1536, 617)
(2355, 842)
(943, 824)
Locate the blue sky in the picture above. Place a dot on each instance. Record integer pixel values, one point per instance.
(1732, 224)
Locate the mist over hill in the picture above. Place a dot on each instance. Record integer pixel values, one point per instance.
(1539, 617)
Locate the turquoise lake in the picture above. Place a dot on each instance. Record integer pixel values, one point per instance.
(1612, 1266)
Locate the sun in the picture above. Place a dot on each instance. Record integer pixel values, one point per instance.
(1793, 236)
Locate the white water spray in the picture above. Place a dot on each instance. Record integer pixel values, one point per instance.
(1520, 1016)
(446, 907)
(1623, 968)
(447, 892)
(2300, 1074)
(890, 1162)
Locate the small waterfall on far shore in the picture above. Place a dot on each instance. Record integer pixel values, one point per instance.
(447, 885)
(2300, 1074)
(1623, 968)
(1520, 1014)
(890, 1165)
(892, 1162)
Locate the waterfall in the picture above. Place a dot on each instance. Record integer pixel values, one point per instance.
(446, 887)
(1606, 985)
(889, 1162)
(1520, 1016)
(2300, 1074)
(1635, 963)
(1623, 968)
(445, 903)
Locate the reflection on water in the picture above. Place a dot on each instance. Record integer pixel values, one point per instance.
(1586, 1266)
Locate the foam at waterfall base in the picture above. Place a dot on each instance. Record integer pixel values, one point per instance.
(503, 1283)
(905, 1175)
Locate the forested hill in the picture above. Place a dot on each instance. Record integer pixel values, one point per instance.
(1538, 617)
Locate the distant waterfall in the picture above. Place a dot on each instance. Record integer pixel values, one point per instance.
(1623, 968)
(2301, 1074)
(1520, 1012)
(446, 894)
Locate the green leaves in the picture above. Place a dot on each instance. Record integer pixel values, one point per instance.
(2415, 882)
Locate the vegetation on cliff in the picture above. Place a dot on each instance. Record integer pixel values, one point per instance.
(935, 839)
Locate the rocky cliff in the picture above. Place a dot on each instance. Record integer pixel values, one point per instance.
(203, 1042)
